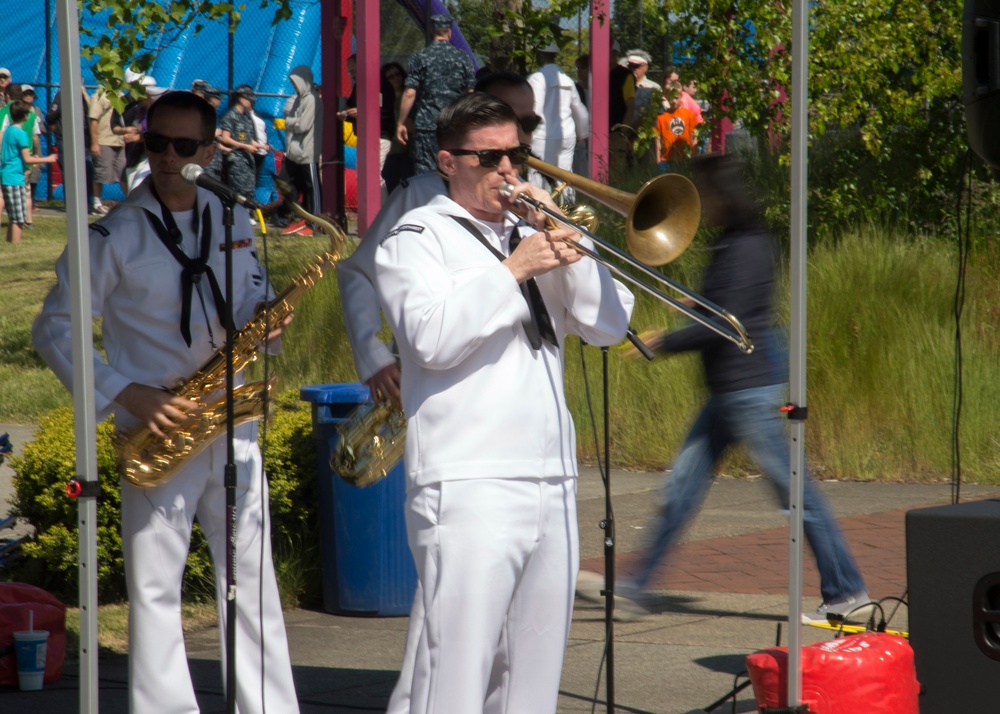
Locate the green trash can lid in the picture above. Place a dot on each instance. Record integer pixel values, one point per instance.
(352, 393)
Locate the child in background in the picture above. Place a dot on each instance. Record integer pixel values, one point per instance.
(15, 158)
(674, 140)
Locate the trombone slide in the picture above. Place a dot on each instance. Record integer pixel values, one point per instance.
(732, 330)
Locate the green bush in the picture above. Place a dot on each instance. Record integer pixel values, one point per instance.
(41, 475)
(51, 558)
(290, 456)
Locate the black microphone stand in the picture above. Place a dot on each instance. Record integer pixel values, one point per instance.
(608, 526)
(230, 472)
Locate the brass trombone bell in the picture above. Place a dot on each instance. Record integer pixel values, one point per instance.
(660, 220)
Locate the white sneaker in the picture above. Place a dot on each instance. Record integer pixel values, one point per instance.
(629, 610)
(856, 608)
(99, 208)
(589, 586)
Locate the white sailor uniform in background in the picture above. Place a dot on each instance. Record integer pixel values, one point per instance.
(490, 458)
(356, 275)
(136, 290)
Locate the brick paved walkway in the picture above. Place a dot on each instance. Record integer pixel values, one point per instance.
(757, 563)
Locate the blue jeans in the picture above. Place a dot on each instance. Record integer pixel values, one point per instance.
(750, 416)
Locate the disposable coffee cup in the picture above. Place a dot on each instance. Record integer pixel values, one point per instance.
(31, 646)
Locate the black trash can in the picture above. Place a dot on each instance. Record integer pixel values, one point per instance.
(367, 565)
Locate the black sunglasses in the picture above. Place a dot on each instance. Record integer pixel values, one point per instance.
(158, 143)
(530, 123)
(491, 158)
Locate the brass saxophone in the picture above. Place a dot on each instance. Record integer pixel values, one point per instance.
(371, 441)
(148, 460)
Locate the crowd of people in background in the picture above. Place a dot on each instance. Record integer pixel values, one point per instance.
(653, 124)
(115, 153)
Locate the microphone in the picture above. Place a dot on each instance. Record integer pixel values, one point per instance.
(195, 174)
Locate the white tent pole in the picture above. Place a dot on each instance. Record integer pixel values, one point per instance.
(797, 346)
(74, 187)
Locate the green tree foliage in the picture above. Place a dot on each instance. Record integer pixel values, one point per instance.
(645, 25)
(131, 31)
(885, 118)
(507, 33)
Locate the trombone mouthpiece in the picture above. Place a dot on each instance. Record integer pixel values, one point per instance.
(506, 189)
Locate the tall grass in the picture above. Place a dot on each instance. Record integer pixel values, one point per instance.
(314, 349)
(880, 356)
(881, 360)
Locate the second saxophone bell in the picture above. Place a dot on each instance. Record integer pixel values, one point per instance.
(372, 440)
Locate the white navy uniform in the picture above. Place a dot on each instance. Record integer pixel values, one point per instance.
(356, 275)
(566, 121)
(136, 291)
(490, 458)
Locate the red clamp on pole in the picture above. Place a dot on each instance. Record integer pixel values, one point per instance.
(795, 412)
(79, 488)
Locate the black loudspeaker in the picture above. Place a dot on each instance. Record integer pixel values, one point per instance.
(953, 574)
(981, 78)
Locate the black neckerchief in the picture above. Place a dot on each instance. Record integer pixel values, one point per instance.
(193, 268)
(540, 324)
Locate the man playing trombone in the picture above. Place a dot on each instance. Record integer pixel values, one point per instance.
(480, 303)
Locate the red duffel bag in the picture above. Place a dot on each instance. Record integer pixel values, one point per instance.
(866, 673)
(21, 605)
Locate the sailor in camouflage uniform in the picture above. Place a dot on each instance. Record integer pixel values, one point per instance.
(436, 76)
(238, 134)
(212, 95)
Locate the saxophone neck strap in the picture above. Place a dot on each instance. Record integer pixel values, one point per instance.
(192, 268)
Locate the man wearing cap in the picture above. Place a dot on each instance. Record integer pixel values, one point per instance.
(435, 77)
(645, 88)
(4, 84)
(36, 122)
(238, 135)
(565, 119)
(106, 147)
(212, 95)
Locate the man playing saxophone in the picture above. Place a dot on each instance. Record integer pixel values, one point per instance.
(157, 265)
(480, 304)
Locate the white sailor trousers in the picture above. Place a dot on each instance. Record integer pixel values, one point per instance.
(497, 562)
(156, 532)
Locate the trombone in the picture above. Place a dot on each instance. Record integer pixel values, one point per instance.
(660, 222)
